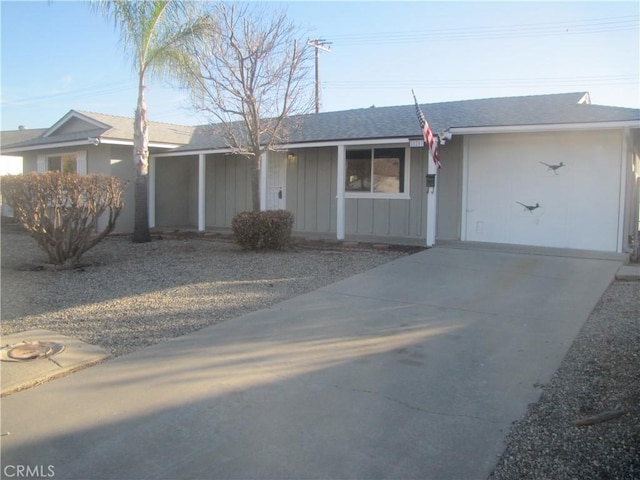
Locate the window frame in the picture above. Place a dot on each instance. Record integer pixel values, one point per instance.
(43, 164)
(63, 157)
(380, 195)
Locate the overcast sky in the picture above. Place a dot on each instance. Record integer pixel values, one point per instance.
(60, 55)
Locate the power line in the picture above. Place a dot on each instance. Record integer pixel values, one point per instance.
(73, 94)
(602, 25)
(628, 79)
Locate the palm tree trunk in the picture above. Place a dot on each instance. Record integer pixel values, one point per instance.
(141, 232)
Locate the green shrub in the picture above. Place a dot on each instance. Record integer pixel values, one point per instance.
(61, 210)
(267, 230)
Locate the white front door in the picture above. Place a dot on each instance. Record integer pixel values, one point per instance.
(276, 180)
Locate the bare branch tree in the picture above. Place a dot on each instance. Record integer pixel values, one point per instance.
(252, 73)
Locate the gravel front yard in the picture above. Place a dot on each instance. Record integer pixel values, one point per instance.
(138, 295)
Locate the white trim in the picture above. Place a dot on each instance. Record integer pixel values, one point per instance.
(202, 196)
(347, 143)
(431, 201)
(42, 160)
(81, 162)
(110, 141)
(406, 181)
(623, 190)
(341, 178)
(291, 146)
(152, 192)
(41, 163)
(46, 146)
(192, 153)
(465, 188)
(378, 196)
(552, 127)
(262, 171)
(87, 141)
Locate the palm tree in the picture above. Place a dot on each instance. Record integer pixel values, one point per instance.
(153, 33)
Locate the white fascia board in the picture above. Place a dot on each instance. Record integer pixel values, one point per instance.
(113, 141)
(47, 146)
(193, 153)
(74, 114)
(335, 143)
(543, 128)
(288, 146)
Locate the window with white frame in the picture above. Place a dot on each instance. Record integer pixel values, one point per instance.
(376, 171)
(68, 162)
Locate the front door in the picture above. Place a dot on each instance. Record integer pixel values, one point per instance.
(276, 180)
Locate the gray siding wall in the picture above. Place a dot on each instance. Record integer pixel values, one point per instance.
(228, 189)
(174, 186)
(311, 189)
(74, 125)
(119, 163)
(449, 204)
(311, 197)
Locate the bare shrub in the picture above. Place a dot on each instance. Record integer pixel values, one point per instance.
(61, 210)
(270, 229)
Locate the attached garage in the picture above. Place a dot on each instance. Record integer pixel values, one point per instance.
(553, 189)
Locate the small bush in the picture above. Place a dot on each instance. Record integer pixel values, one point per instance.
(267, 230)
(61, 210)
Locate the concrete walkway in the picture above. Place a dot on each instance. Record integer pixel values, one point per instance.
(415, 369)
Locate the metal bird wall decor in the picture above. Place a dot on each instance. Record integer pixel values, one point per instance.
(530, 208)
(553, 168)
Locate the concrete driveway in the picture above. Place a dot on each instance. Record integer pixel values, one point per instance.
(415, 369)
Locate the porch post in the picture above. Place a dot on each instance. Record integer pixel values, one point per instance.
(202, 175)
(431, 204)
(264, 166)
(151, 207)
(340, 214)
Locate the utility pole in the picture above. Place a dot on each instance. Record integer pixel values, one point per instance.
(319, 44)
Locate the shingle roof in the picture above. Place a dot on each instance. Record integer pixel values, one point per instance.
(115, 128)
(8, 137)
(372, 123)
(122, 128)
(401, 121)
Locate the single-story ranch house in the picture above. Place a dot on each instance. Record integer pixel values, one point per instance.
(546, 170)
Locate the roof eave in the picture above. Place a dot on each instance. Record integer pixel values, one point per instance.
(551, 127)
(28, 148)
(286, 146)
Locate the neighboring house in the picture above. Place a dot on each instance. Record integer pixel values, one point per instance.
(86, 142)
(546, 170)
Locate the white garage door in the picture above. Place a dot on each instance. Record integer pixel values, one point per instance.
(555, 190)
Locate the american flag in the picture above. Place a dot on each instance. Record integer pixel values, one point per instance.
(428, 134)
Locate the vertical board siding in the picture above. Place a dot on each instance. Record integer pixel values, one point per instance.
(311, 196)
(311, 189)
(228, 189)
(380, 222)
(173, 191)
(392, 217)
(449, 217)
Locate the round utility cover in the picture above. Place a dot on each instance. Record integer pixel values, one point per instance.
(30, 350)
